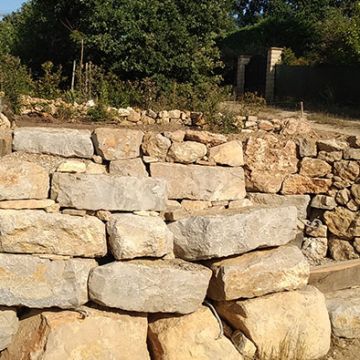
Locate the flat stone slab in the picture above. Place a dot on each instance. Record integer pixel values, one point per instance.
(344, 311)
(9, 324)
(63, 142)
(194, 182)
(22, 180)
(30, 281)
(132, 236)
(258, 273)
(38, 232)
(109, 192)
(233, 232)
(336, 276)
(166, 286)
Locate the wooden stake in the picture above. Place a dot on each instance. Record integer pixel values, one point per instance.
(73, 76)
(302, 109)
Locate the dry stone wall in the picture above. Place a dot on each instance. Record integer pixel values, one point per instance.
(129, 232)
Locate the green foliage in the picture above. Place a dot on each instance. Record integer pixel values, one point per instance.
(48, 85)
(99, 113)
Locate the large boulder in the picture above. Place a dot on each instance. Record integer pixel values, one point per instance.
(341, 222)
(22, 180)
(132, 236)
(118, 144)
(233, 232)
(186, 152)
(150, 286)
(295, 322)
(128, 167)
(55, 141)
(258, 273)
(314, 167)
(189, 337)
(38, 232)
(156, 146)
(230, 154)
(30, 281)
(52, 335)
(205, 137)
(9, 324)
(106, 192)
(269, 161)
(196, 182)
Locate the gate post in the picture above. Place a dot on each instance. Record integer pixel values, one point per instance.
(273, 58)
(243, 60)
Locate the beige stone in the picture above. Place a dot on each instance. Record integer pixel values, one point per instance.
(355, 191)
(130, 167)
(5, 142)
(299, 184)
(258, 273)
(233, 232)
(109, 192)
(169, 286)
(314, 167)
(341, 222)
(186, 152)
(269, 160)
(315, 248)
(72, 166)
(196, 182)
(347, 170)
(189, 337)
(317, 231)
(118, 144)
(37, 232)
(331, 145)
(156, 146)
(52, 335)
(341, 250)
(230, 153)
(195, 205)
(239, 204)
(9, 324)
(205, 137)
(33, 282)
(323, 202)
(245, 346)
(22, 180)
(330, 157)
(132, 236)
(4, 122)
(352, 154)
(74, 212)
(307, 147)
(297, 318)
(26, 204)
(95, 169)
(177, 136)
(343, 196)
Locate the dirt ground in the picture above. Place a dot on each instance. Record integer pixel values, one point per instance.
(343, 349)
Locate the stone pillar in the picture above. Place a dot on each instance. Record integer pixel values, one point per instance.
(243, 60)
(274, 57)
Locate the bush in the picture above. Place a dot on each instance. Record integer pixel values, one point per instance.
(48, 85)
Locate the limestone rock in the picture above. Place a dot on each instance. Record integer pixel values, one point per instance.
(299, 184)
(9, 324)
(269, 161)
(196, 182)
(245, 346)
(55, 141)
(5, 142)
(22, 180)
(4, 122)
(189, 337)
(186, 152)
(347, 170)
(323, 202)
(177, 136)
(341, 250)
(195, 205)
(331, 145)
(258, 273)
(72, 166)
(355, 191)
(117, 144)
(37, 232)
(341, 222)
(230, 153)
(269, 322)
(105, 192)
(156, 146)
(317, 231)
(330, 157)
(307, 148)
(233, 232)
(239, 204)
(27, 280)
(352, 154)
(205, 137)
(52, 335)
(132, 236)
(314, 167)
(95, 169)
(344, 311)
(26, 204)
(315, 248)
(343, 196)
(150, 286)
(130, 167)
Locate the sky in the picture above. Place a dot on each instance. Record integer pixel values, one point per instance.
(7, 6)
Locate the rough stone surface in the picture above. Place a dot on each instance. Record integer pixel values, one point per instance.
(299, 318)
(299, 184)
(9, 324)
(130, 167)
(330, 157)
(132, 236)
(118, 144)
(307, 147)
(314, 167)
(104, 192)
(205, 137)
(55, 141)
(315, 248)
(195, 205)
(344, 311)
(72, 166)
(94, 168)
(317, 231)
(301, 202)
(323, 202)
(37, 232)
(331, 145)
(258, 273)
(341, 222)
(186, 152)
(30, 281)
(22, 180)
(352, 154)
(355, 191)
(156, 146)
(233, 232)
(341, 250)
(5, 142)
(196, 182)
(26, 204)
(245, 346)
(52, 335)
(169, 286)
(269, 161)
(230, 154)
(189, 337)
(347, 170)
